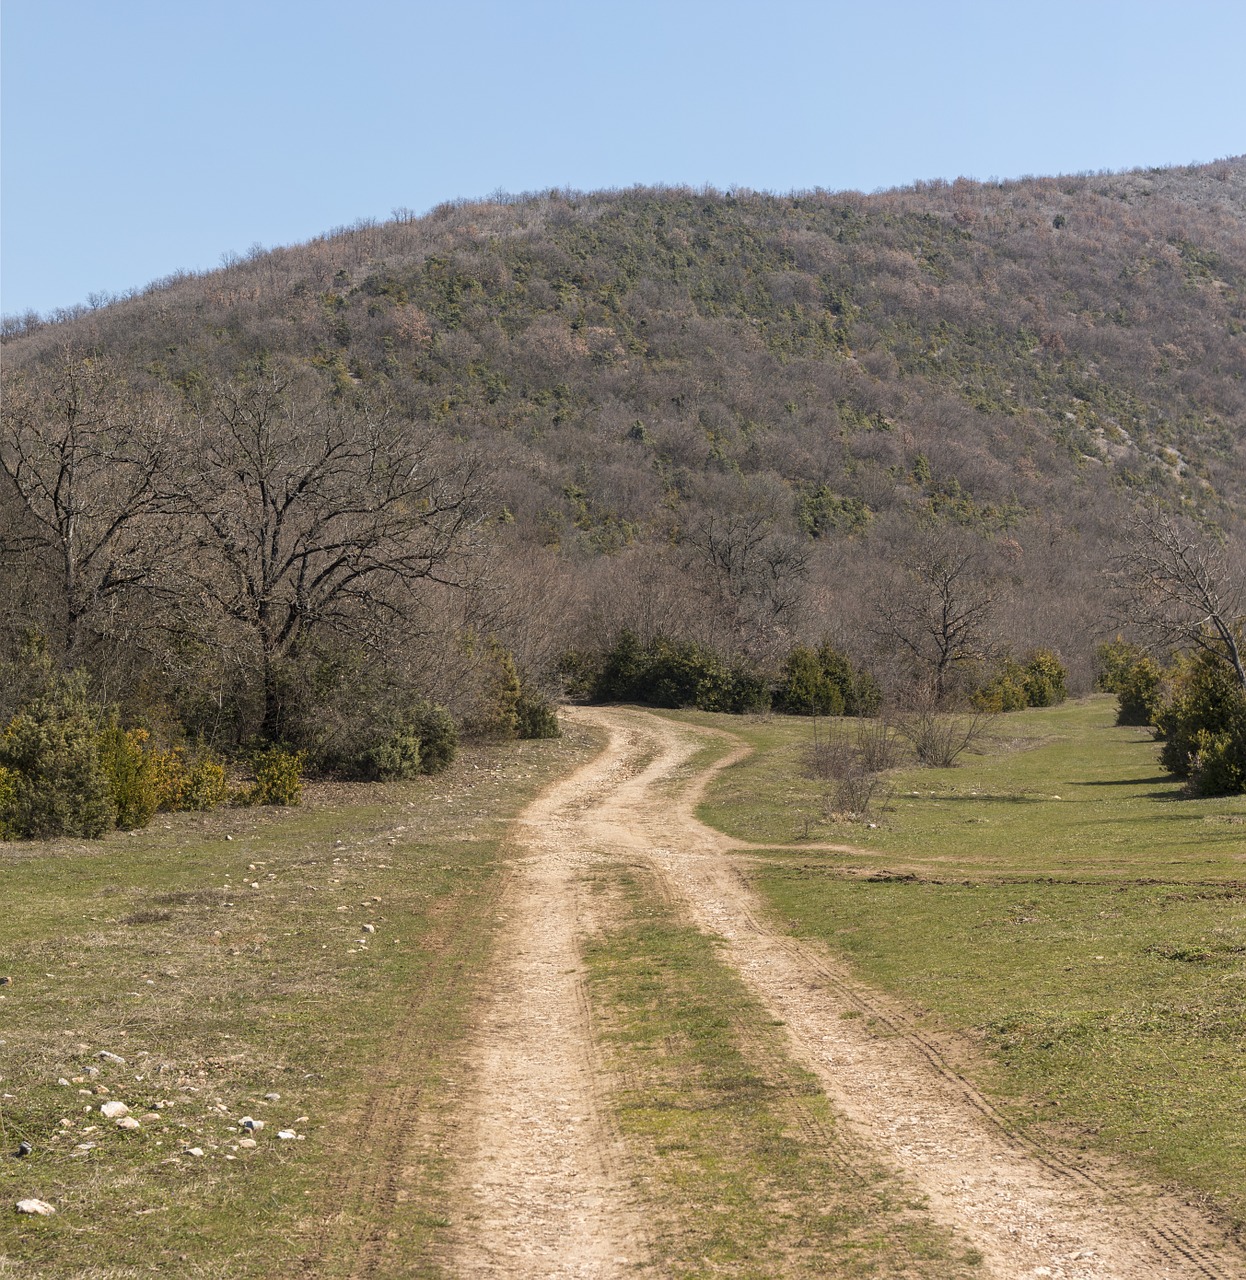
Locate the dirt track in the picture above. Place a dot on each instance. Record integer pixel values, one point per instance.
(546, 1173)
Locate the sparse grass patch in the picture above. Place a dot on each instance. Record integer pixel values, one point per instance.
(224, 957)
(1064, 905)
(736, 1148)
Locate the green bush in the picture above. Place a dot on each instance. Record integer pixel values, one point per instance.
(439, 738)
(1040, 682)
(204, 786)
(8, 793)
(1139, 692)
(397, 757)
(1045, 679)
(1005, 691)
(278, 777)
(826, 683)
(50, 747)
(134, 778)
(1128, 671)
(537, 717)
(1203, 724)
(677, 673)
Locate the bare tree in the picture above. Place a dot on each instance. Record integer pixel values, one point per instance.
(312, 510)
(1181, 586)
(86, 453)
(940, 612)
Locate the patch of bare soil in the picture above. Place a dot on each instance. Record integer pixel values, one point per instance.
(542, 1186)
(1030, 1211)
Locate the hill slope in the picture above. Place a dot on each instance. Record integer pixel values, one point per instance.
(732, 416)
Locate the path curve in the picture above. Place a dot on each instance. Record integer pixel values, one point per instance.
(1028, 1210)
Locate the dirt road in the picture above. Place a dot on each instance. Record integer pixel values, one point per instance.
(548, 1176)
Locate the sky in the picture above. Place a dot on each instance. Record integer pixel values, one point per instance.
(142, 137)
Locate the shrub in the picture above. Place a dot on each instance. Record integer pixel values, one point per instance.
(59, 786)
(8, 793)
(1203, 724)
(536, 716)
(134, 778)
(439, 739)
(805, 688)
(1005, 691)
(826, 683)
(1139, 693)
(205, 785)
(1045, 679)
(278, 777)
(675, 673)
(397, 757)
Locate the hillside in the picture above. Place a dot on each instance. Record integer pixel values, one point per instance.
(737, 417)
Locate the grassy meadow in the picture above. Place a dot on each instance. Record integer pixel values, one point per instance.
(1056, 899)
(224, 957)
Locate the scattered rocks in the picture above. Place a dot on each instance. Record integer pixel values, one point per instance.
(39, 1207)
(113, 1110)
(115, 1058)
(128, 1122)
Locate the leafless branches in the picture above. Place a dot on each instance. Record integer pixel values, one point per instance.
(1180, 586)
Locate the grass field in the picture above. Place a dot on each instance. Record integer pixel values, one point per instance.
(224, 957)
(1055, 898)
(739, 1156)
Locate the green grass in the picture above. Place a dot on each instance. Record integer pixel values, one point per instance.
(218, 996)
(1058, 900)
(736, 1149)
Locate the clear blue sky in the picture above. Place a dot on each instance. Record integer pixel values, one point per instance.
(143, 136)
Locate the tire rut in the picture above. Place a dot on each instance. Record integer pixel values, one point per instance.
(1028, 1209)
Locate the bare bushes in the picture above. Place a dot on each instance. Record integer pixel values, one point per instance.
(852, 767)
(938, 737)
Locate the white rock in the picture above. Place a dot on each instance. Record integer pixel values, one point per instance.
(128, 1122)
(287, 1134)
(194, 1151)
(248, 1144)
(253, 1125)
(272, 1097)
(105, 1056)
(63, 1081)
(112, 1110)
(369, 928)
(40, 1207)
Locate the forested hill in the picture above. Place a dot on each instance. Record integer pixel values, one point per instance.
(737, 417)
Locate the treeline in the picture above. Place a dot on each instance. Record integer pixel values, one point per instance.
(439, 462)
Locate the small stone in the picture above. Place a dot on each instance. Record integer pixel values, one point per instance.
(112, 1110)
(40, 1207)
(229, 837)
(287, 1134)
(254, 1126)
(194, 1151)
(255, 884)
(116, 1058)
(128, 1122)
(63, 1081)
(248, 1144)
(272, 1097)
(369, 928)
